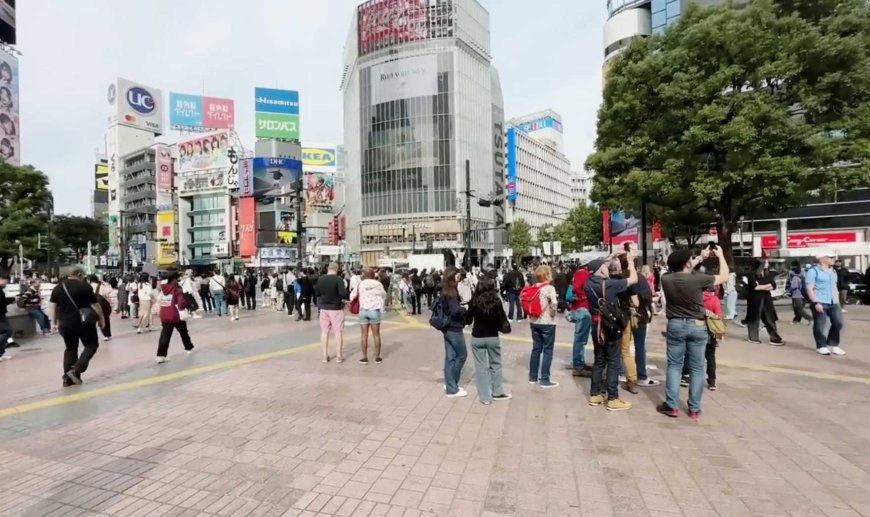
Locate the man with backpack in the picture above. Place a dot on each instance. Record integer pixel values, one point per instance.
(637, 302)
(582, 322)
(609, 322)
(796, 290)
(513, 284)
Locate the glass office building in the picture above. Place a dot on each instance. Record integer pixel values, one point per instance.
(420, 98)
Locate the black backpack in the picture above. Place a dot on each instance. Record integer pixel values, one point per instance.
(439, 320)
(429, 282)
(279, 285)
(612, 317)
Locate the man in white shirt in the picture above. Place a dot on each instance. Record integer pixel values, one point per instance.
(217, 284)
(289, 291)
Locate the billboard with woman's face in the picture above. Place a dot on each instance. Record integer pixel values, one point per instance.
(10, 144)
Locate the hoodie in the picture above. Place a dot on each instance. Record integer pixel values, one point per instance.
(371, 295)
(171, 301)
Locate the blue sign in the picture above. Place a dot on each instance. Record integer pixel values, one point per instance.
(268, 100)
(143, 253)
(140, 100)
(512, 165)
(542, 123)
(271, 174)
(185, 111)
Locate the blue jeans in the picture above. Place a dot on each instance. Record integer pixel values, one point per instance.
(487, 366)
(40, 318)
(455, 355)
(835, 313)
(607, 357)
(582, 328)
(730, 306)
(543, 340)
(639, 336)
(513, 299)
(686, 337)
(220, 303)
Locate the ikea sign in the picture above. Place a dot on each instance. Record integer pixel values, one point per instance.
(318, 157)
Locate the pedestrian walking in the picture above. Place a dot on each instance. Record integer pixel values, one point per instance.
(250, 291)
(487, 318)
(31, 301)
(103, 292)
(826, 303)
(276, 291)
(331, 294)
(304, 293)
(796, 290)
(75, 313)
(372, 299)
(842, 284)
(759, 304)
(173, 316)
(5, 328)
(541, 303)
(452, 313)
(687, 325)
(145, 293)
(290, 291)
(416, 292)
(205, 293)
(191, 287)
(512, 285)
(234, 297)
(218, 285)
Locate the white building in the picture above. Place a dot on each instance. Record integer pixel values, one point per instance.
(581, 188)
(538, 180)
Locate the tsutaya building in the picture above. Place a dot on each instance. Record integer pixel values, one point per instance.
(420, 98)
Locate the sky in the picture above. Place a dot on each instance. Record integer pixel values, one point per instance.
(548, 53)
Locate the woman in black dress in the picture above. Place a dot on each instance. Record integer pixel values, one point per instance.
(759, 303)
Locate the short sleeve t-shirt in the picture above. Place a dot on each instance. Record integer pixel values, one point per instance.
(80, 292)
(685, 294)
(824, 284)
(615, 287)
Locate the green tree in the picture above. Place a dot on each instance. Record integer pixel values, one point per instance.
(25, 205)
(734, 111)
(520, 238)
(581, 228)
(74, 232)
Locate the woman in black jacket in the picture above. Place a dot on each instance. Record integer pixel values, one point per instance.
(487, 317)
(455, 351)
(759, 303)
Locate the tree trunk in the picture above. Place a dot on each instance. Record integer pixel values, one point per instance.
(725, 229)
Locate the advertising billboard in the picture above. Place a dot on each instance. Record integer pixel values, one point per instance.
(10, 142)
(218, 113)
(194, 112)
(101, 176)
(202, 181)
(271, 174)
(319, 192)
(167, 254)
(511, 185)
(276, 113)
(404, 79)
(166, 226)
(163, 165)
(247, 227)
(806, 240)
(383, 23)
(542, 123)
(138, 106)
(204, 152)
(319, 158)
(624, 227)
(246, 177)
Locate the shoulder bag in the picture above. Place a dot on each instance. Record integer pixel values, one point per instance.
(87, 315)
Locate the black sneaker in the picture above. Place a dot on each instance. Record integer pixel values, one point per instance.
(711, 386)
(74, 377)
(667, 410)
(363, 361)
(12, 344)
(503, 396)
(777, 342)
(684, 382)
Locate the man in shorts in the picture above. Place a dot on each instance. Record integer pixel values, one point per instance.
(331, 292)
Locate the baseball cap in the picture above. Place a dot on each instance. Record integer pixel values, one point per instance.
(594, 265)
(826, 254)
(678, 259)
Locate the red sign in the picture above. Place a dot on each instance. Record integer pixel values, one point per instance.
(657, 233)
(605, 225)
(163, 163)
(806, 240)
(247, 227)
(218, 113)
(383, 23)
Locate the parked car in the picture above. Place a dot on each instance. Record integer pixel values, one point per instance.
(858, 293)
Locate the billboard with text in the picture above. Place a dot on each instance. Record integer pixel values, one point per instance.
(137, 106)
(195, 112)
(276, 114)
(404, 79)
(384, 23)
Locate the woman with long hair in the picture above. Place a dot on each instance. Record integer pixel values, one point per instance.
(145, 294)
(372, 298)
(487, 318)
(455, 351)
(234, 295)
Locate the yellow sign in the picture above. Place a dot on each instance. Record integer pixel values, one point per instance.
(318, 157)
(166, 226)
(167, 254)
(101, 176)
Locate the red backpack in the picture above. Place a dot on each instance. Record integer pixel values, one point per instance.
(530, 300)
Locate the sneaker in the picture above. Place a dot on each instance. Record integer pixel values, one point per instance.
(533, 381)
(597, 400)
(549, 384)
(74, 377)
(684, 382)
(5, 357)
(503, 396)
(582, 372)
(694, 415)
(618, 405)
(837, 350)
(364, 361)
(460, 393)
(775, 342)
(138, 330)
(189, 351)
(631, 387)
(824, 350)
(756, 341)
(161, 360)
(646, 383)
(107, 339)
(844, 311)
(667, 410)
(486, 402)
(623, 378)
(741, 324)
(12, 344)
(378, 360)
(711, 386)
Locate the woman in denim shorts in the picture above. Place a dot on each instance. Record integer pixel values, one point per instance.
(372, 297)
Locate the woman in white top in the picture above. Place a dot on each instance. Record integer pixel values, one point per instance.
(543, 330)
(372, 298)
(145, 294)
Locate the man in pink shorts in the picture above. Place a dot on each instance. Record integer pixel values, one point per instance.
(331, 294)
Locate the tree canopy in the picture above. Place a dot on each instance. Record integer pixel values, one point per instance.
(25, 207)
(581, 228)
(520, 237)
(733, 111)
(74, 232)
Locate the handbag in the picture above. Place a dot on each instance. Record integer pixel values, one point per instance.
(715, 325)
(87, 315)
(505, 327)
(354, 306)
(183, 314)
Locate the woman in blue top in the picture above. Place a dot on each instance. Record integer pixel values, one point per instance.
(455, 351)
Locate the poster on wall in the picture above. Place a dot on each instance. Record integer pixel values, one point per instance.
(273, 174)
(163, 158)
(204, 152)
(624, 227)
(404, 79)
(10, 143)
(320, 192)
(167, 254)
(383, 23)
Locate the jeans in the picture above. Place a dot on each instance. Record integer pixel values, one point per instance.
(730, 306)
(835, 313)
(684, 337)
(582, 328)
(220, 304)
(799, 307)
(71, 335)
(290, 301)
(303, 303)
(606, 357)
(487, 366)
(543, 340)
(455, 355)
(639, 336)
(513, 299)
(166, 335)
(207, 300)
(41, 319)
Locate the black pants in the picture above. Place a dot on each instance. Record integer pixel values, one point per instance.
(107, 311)
(769, 323)
(710, 356)
(250, 300)
(303, 302)
(207, 300)
(5, 334)
(166, 335)
(415, 302)
(290, 301)
(72, 335)
(799, 307)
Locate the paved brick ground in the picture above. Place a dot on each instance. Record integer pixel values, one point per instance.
(786, 434)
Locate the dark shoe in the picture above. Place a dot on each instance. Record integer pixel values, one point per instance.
(667, 410)
(67, 382)
(581, 372)
(364, 360)
(12, 344)
(694, 415)
(777, 342)
(503, 396)
(74, 377)
(684, 382)
(378, 360)
(631, 387)
(711, 386)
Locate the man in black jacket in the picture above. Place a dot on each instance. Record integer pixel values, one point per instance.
(512, 284)
(5, 328)
(306, 292)
(250, 291)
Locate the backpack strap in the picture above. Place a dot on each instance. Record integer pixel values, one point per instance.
(601, 301)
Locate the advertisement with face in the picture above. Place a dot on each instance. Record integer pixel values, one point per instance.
(320, 192)
(204, 152)
(10, 144)
(139, 106)
(383, 23)
(404, 79)
(271, 174)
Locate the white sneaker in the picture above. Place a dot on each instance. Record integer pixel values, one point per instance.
(837, 350)
(622, 378)
(824, 350)
(138, 331)
(5, 357)
(161, 360)
(107, 339)
(460, 393)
